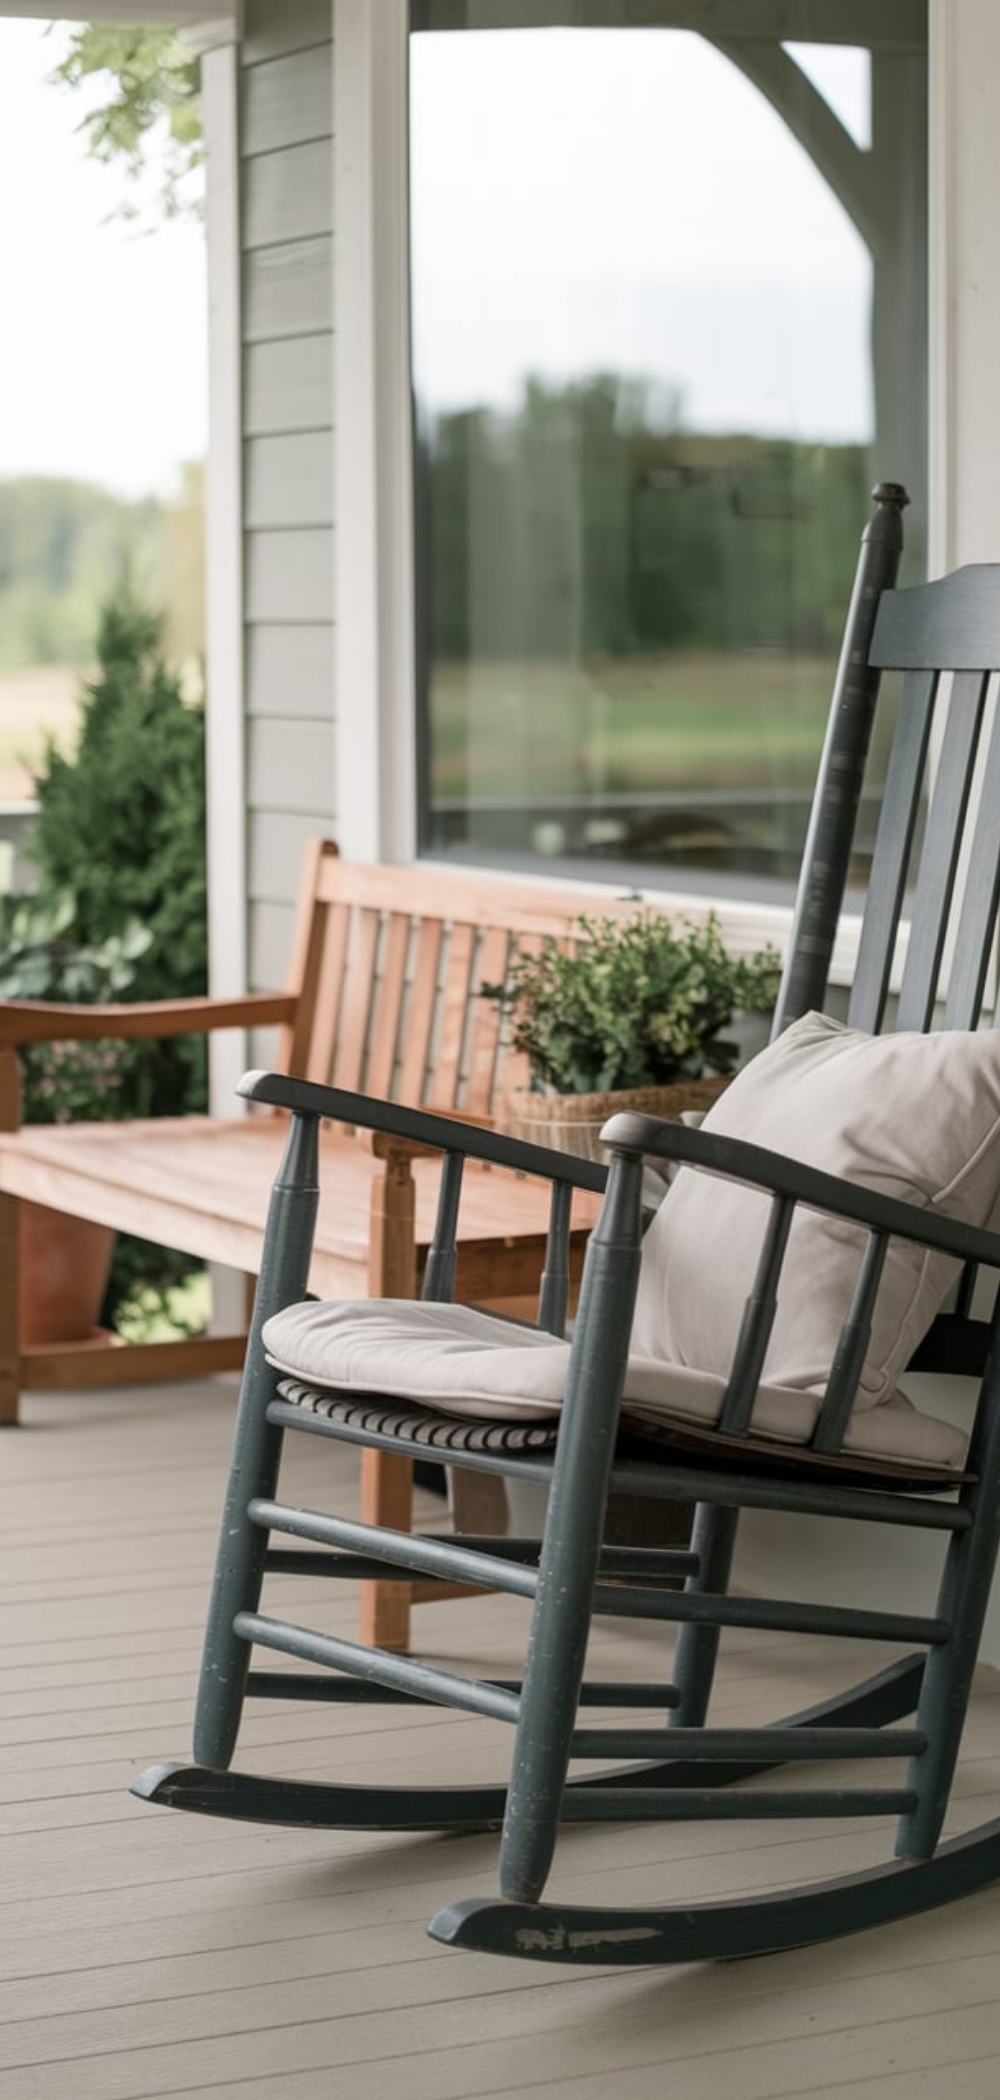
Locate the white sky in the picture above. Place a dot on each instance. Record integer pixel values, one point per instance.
(103, 373)
(103, 334)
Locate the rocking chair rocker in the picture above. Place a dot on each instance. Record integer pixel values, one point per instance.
(743, 1352)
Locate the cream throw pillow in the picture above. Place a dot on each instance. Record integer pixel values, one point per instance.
(913, 1116)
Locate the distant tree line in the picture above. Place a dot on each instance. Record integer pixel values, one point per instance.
(63, 547)
(587, 521)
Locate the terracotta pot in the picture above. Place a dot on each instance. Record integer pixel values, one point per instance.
(64, 1264)
(573, 1122)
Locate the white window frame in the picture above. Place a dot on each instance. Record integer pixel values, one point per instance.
(374, 584)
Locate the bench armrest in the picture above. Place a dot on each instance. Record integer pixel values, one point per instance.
(47, 1021)
(384, 1145)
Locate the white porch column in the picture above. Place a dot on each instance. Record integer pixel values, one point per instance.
(373, 493)
(218, 47)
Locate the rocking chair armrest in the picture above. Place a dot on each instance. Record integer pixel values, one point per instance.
(736, 1159)
(420, 1128)
(47, 1021)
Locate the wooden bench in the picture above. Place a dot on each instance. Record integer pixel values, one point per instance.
(382, 997)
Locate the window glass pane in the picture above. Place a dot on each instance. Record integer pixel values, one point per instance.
(668, 327)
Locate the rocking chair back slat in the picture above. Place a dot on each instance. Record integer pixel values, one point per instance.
(942, 848)
(948, 626)
(975, 936)
(893, 849)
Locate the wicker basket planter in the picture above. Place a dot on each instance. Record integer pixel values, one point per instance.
(573, 1122)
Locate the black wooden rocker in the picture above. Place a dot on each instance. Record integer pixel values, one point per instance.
(743, 1352)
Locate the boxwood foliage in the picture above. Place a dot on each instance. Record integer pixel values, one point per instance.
(121, 828)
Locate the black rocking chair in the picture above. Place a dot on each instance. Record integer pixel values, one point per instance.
(828, 1229)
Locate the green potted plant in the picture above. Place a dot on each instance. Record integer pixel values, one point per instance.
(632, 1016)
(64, 1261)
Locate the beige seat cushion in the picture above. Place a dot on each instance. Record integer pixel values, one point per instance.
(473, 1364)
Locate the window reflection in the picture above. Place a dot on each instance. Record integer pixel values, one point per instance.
(644, 311)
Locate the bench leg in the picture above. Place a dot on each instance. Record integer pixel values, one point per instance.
(386, 1502)
(10, 1340)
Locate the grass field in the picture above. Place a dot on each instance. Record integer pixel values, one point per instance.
(628, 724)
(617, 725)
(33, 704)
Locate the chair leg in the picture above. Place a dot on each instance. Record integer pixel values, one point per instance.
(571, 1545)
(257, 1442)
(713, 1538)
(947, 1681)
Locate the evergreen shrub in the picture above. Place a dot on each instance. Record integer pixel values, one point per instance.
(121, 829)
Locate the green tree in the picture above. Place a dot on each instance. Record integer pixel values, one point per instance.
(152, 109)
(121, 830)
(121, 822)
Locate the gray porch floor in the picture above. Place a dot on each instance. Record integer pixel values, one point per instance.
(144, 1953)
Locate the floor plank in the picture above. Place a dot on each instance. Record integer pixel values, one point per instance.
(145, 1954)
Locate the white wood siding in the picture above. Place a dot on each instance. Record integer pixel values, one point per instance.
(288, 100)
(288, 575)
(287, 291)
(287, 193)
(287, 384)
(289, 671)
(286, 224)
(286, 758)
(288, 480)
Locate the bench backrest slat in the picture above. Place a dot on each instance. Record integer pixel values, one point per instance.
(421, 1006)
(387, 965)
